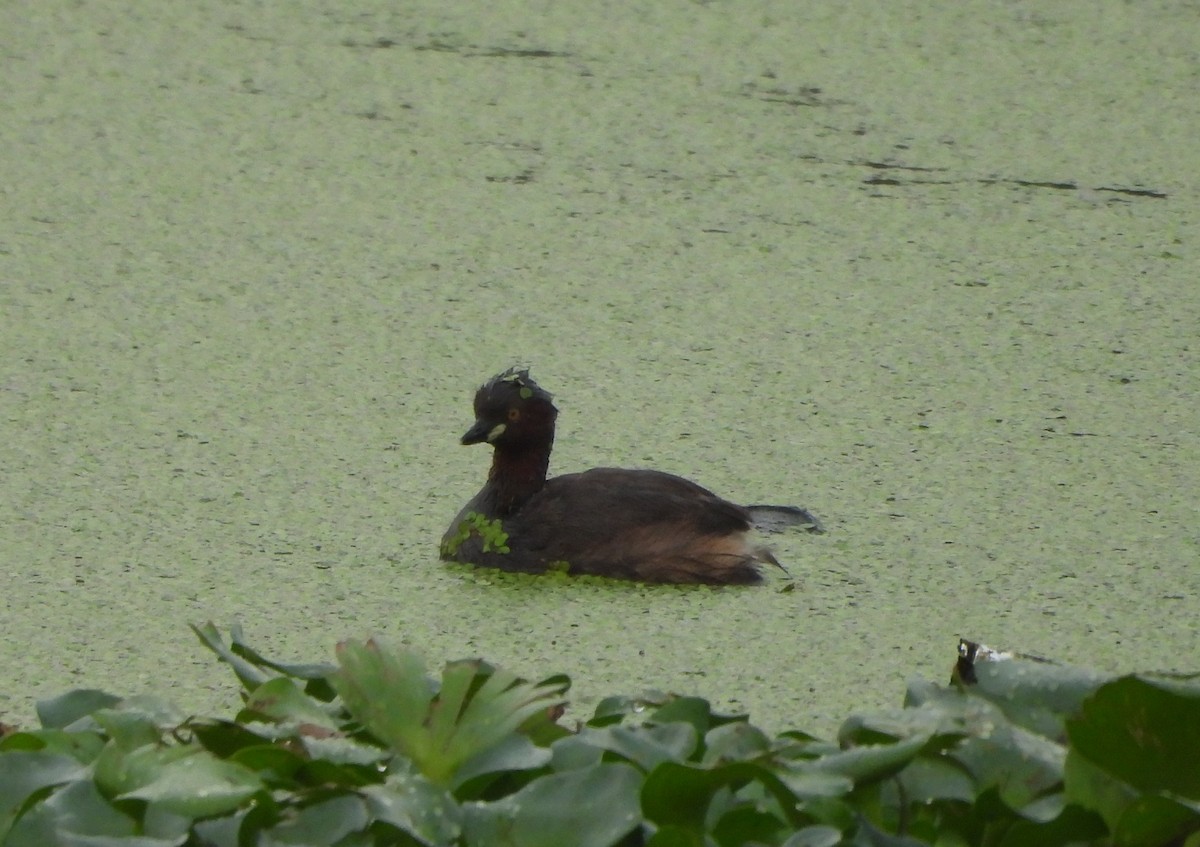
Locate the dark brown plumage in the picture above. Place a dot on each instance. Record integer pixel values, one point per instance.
(629, 524)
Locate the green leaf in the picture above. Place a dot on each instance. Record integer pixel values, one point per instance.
(1073, 826)
(694, 710)
(871, 762)
(513, 753)
(676, 836)
(614, 709)
(477, 707)
(746, 824)
(415, 806)
(1153, 820)
(928, 780)
(645, 746)
(344, 751)
(735, 741)
(129, 728)
(62, 711)
(807, 783)
(930, 711)
(282, 700)
(323, 823)
(1033, 694)
(309, 671)
(1138, 818)
(82, 745)
(818, 835)
(73, 840)
(75, 808)
(590, 807)
(224, 738)
(1092, 787)
(24, 774)
(1143, 732)
(80, 807)
(225, 831)
(185, 780)
(272, 763)
(677, 794)
(388, 692)
(248, 673)
(1022, 765)
(500, 706)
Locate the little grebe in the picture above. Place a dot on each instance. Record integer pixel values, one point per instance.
(629, 524)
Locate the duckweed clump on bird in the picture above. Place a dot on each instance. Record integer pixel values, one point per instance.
(490, 532)
(375, 751)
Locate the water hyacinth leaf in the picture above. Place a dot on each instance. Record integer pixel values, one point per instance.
(841, 813)
(590, 807)
(512, 753)
(871, 762)
(573, 752)
(414, 805)
(790, 748)
(733, 742)
(476, 707)
(676, 836)
(817, 835)
(807, 783)
(323, 823)
(117, 770)
(185, 780)
(129, 728)
(502, 705)
(162, 822)
(1144, 733)
(249, 674)
(72, 840)
(282, 700)
(678, 794)
(62, 711)
(929, 779)
(344, 751)
(81, 745)
(694, 710)
(23, 774)
(1036, 695)
(300, 670)
(1153, 820)
(36, 827)
(929, 712)
(870, 836)
(645, 746)
(1137, 817)
(614, 709)
(80, 807)
(543, 726)
(224, 738)
(747, 825)
(1092, 787)
(273, 763)
(458, 678)
(1020, 764)
(323, 772)
(224, 831)
(388, 692)
(1073, 826)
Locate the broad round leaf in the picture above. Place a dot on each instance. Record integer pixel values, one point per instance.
(591, 807)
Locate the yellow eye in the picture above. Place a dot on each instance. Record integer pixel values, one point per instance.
(514, 415)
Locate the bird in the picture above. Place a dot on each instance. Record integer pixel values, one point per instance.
(641, 525)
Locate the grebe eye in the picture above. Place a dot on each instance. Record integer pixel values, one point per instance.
(514, 415)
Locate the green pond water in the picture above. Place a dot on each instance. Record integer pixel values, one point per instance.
(927, 268)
